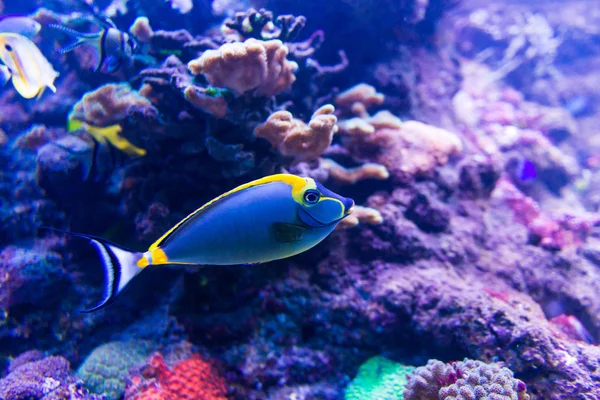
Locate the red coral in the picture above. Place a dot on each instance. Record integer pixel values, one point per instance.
(191, 379)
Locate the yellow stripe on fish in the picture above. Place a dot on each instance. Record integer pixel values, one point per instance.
(268, 219)
(110, 134)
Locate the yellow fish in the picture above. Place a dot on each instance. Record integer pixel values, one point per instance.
(108, 134)
(30, 71)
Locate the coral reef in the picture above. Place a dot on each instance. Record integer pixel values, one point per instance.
(466, 132)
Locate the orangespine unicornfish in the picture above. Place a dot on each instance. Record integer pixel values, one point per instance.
(111, 45)
(267, 219)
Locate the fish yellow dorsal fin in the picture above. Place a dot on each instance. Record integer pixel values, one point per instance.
(111, 133)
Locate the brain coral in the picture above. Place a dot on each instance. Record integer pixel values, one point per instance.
(379, 379)
(464, 380)
(105, 369)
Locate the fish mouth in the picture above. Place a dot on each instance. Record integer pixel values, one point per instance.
(302, 214)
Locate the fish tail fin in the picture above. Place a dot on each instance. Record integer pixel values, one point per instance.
(120, 267)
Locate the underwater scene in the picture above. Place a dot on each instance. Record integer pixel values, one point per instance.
(299, 199)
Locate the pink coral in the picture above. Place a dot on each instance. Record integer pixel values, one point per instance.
(252, 65)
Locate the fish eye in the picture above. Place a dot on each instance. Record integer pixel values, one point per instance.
(311, 197)
(8, 47)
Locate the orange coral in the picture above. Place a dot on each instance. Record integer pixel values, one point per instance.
(253, 65)
(294, 138)
(191, 379)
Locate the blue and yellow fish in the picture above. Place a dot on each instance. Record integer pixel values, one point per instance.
(267, 219)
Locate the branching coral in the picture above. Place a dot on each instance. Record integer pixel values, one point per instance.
(191, 379)
(108, 105)
(378, 379)
(415, 148)
(294, 138)
(361, 95)
(403, 148)
(141, 29)
(252, 65)
(350, 176)
(467, 379)
(212, 103)
(105, 369)
(361, 215)
(259, 25)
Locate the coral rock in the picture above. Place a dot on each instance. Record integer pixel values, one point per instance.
(47, 378)
(294, 138)
(252, 65)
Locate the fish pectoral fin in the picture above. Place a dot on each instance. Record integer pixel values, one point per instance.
(288, 233)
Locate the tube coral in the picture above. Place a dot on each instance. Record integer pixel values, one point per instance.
(256, 65)
(294, 138)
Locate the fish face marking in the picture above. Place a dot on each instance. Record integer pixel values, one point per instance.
(8, 47)
(322, 207)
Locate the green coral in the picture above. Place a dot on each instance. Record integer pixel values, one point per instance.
(105, 369)
(379, 379)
